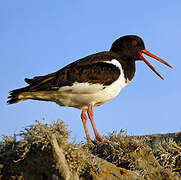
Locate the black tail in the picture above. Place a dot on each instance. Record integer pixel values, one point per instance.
(14, 95)
(38, 83)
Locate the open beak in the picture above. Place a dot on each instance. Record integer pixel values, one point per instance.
(155, 57)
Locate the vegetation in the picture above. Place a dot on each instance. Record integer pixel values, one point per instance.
(44, 152)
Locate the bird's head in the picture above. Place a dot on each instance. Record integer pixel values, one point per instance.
(132, 47)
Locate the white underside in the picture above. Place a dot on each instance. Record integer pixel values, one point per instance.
(80, 95)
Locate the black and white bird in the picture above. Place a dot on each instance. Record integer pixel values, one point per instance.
(90, 81)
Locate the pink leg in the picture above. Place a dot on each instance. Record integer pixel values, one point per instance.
(91, 117)
(84, 121)
(97, 135)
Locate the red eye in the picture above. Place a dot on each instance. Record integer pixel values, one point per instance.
(134, 42)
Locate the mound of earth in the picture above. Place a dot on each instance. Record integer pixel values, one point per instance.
(43, 152)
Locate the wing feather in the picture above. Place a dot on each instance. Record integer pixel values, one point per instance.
(92, 69)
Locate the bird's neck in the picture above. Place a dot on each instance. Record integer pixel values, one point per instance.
(128, 64)
(128, 68)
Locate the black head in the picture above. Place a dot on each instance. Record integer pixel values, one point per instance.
(131, 47)
(128, 46)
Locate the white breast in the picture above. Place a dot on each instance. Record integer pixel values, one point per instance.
(114, 89)
(80, 95)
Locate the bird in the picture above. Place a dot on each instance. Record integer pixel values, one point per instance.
(90, 81)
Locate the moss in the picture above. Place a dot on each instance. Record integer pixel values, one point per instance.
(44, 152)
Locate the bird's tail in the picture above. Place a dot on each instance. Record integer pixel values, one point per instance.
(37, 89)
(17, 95)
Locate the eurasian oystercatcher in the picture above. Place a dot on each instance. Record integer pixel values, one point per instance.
(90, 81)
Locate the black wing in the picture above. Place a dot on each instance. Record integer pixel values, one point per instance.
(92, 69)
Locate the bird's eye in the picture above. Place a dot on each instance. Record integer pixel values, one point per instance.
(134, 42)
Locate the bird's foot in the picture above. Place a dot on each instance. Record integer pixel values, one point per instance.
(107, 141)
(103, 139)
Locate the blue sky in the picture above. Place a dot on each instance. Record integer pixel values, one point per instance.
(40, 37)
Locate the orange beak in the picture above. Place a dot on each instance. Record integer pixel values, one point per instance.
(155, 57)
